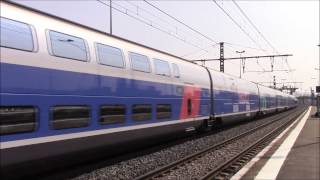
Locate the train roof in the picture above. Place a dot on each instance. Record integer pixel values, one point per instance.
(108, 34)
(119, 38)
(95, 30)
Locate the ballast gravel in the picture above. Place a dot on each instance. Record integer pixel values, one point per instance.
(201, 166)
(132, 168)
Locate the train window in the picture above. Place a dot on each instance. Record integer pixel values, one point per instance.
(163, 111)
(16, 35)
(175, 69)
(69, 116)
(139, 62)
(162, 67)
(67, 46)
(110, 56)
(17, 119)
(141, 112)
(112, 114)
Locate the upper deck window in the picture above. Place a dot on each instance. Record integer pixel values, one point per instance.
(175, 69)
(16, 35)
(67, 46)
(139, 62)
(162, 67)
(110, 56)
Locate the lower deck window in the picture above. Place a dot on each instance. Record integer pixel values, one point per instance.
(17, 119)
(141, 112)
(112, 114)
(163, 111)
(70, 116)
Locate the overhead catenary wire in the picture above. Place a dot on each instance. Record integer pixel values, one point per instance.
(193, 29)
(138, 15)
(197, 51)
(265, 39)
(196, 31)
(254, 26)
(243, 46)
(238, 25)
(175, 27)
(153, 24)
(149, 23)
(184, 24)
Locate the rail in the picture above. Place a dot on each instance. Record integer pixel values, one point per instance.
(220, 171)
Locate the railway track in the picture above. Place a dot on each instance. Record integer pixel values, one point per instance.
(77, 169)
(137, 163)
(232, 164)
(71, 171)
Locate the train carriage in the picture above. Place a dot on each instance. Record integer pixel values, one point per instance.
(234, 98)
(67, 88)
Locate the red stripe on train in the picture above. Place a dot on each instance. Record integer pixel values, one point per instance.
(191, 94)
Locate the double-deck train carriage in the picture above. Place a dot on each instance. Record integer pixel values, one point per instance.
(292, 101)
(233, 97)
(272, 100)
(194, 89)
(284, 101)
(268, 99)
(281, 101)
(67, 88)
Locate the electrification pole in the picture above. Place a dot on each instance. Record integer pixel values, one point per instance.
(221, 57)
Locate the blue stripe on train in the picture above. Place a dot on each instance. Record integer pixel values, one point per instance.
(44, 88)
(26, 85)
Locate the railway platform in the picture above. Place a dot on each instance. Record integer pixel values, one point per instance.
(294, 154)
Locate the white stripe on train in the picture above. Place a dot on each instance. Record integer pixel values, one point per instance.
(25, 142)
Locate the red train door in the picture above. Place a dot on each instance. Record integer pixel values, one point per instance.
(190, 102)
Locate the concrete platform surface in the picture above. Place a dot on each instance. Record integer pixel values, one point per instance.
(303, 160)
(295, 154)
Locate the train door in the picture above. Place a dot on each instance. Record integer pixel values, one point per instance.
(190, 101)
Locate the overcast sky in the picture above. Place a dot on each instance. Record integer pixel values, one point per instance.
(289, 26)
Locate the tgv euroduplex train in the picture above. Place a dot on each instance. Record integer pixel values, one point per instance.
(67, 88)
